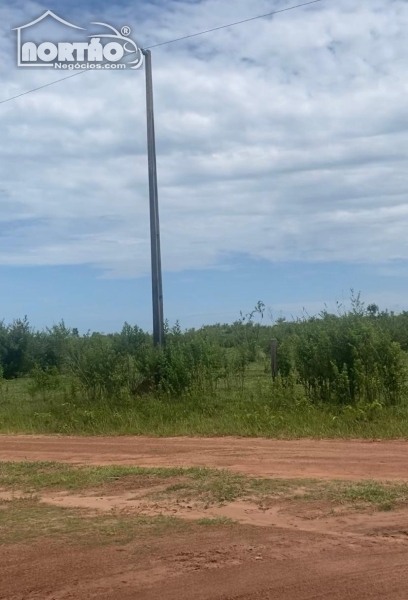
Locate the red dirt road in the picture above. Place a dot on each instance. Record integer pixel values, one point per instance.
(326, 459)
(307, 557)
(239, 564)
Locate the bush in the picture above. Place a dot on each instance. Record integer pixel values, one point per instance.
(186, 361)
(101, 371)
(346, 359)
(43, 381)
(351, 358)
(15, 348)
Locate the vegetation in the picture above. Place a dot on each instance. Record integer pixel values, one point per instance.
(342, 374)
(27, 519)
(200, 487)
(146, 513)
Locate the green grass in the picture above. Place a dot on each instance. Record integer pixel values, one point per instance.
(27, 476)
(25, 519)
(204, 486)
(382, 496)
(199, 484)
(257, 410)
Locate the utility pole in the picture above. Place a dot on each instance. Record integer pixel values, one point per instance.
(157, 286)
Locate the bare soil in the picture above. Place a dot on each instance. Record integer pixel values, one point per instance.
(285, 550)
(245, 563)
(325, 459)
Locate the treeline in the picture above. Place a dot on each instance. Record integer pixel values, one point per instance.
(358, 355)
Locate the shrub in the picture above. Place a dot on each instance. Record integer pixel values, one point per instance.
(43, 381)
(100, 370)
(346, 359)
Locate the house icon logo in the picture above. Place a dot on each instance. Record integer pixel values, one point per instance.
(111, 49)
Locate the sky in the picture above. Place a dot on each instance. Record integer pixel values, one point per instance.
(282, 154)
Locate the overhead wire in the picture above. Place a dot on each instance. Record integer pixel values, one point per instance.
(186, 37)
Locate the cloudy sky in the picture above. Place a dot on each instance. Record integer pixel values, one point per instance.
(282, 162)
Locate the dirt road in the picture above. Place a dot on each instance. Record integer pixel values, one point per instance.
(239, 564)
(326, 459)
(295, 551)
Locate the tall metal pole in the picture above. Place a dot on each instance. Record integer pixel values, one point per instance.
(157, 286)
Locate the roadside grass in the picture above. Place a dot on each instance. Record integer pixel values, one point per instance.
(211, 486)
(382, 496)
(206, 487)
(36, 476)
(25, 520)
(257, 410)
(200, 484)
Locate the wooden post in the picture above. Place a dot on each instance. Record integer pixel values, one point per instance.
(274, 358)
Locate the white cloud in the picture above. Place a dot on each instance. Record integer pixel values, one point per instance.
(282, 139)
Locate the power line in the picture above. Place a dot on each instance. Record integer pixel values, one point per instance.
(42, 87)
(186, 37)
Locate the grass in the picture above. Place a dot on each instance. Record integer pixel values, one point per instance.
(32, 477)
(205, 486)
(209, 486)
(26, 520)
(258, 410)
(383, 496)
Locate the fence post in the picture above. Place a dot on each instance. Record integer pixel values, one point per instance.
(274, 358)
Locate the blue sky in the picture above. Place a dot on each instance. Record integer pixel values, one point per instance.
(282, 157)
(87, 301)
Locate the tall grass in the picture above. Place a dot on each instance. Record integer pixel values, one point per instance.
(262, 409)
